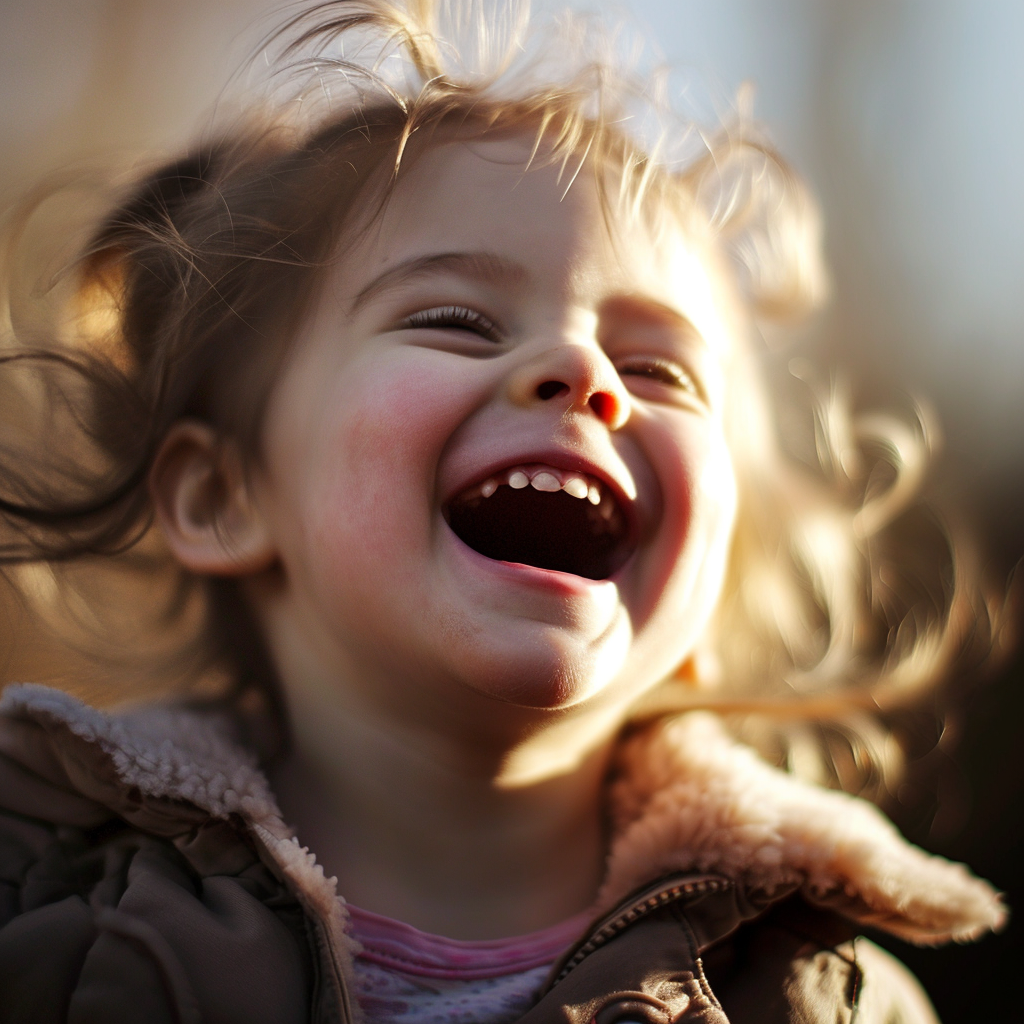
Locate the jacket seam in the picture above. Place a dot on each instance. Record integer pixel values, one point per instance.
(856, 980)
(679, 913)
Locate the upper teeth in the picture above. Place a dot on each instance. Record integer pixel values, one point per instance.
(544, 478)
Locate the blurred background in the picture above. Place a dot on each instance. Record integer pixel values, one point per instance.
(907, 118)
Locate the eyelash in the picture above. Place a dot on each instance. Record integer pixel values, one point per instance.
(458, 317)
(665, 371)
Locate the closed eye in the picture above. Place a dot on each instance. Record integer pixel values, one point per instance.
(664, 371)
(458, 318)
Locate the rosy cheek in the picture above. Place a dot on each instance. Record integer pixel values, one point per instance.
(378, 455)
(717, 485)
(694, 472)
(712, 496)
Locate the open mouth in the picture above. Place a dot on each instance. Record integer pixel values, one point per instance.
(545, 517)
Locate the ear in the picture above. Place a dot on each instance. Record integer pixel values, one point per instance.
(702, 670)
(204, 506)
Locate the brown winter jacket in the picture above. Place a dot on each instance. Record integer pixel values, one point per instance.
(146, 877)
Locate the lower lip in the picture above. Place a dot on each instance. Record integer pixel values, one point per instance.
(561, 583)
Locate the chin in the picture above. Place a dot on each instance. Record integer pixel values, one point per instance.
(556, 692)
(546, 673)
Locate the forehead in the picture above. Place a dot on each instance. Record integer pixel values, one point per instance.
(546, 226)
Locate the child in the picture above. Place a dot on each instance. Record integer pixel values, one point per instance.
(444, 395)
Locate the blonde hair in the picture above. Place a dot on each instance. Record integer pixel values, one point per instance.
(174, 300)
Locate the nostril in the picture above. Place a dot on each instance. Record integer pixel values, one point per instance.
(604, 405)
(551, 388)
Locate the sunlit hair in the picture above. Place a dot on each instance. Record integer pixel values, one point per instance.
(182, 302)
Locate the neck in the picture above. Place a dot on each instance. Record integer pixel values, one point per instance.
(438, 837)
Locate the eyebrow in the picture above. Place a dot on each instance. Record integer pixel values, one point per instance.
(649, 311)
(481, 266)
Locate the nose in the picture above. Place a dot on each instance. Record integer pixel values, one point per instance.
(577, 376)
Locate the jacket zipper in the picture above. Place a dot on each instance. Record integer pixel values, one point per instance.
(632, 910)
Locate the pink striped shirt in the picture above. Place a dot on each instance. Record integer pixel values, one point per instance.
(405, 976)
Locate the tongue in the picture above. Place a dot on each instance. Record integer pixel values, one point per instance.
(549, 530)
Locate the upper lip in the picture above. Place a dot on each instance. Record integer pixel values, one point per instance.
(618, 480)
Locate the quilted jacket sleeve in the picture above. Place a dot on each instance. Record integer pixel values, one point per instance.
(889, 993)
(789, 969)
(103, 924)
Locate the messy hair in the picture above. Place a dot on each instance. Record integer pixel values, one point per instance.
(182, 301)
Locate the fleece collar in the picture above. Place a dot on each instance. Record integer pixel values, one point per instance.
(688, 797)
(684, 796)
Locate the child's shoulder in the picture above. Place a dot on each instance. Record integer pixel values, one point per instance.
(706, 954)
(121, 898)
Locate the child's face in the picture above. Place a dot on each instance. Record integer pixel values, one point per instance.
(488, 333)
